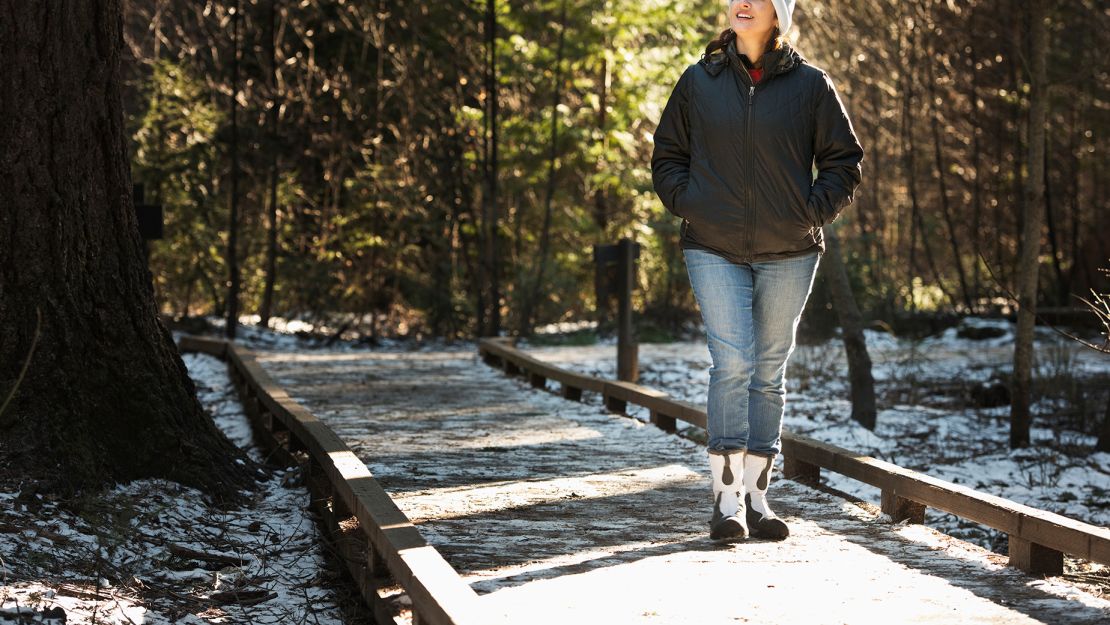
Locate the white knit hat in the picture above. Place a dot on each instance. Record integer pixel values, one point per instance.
(784, 9)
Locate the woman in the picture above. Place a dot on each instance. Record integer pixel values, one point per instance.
(735, 154)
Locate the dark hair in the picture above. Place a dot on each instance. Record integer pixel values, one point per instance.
(728, 36)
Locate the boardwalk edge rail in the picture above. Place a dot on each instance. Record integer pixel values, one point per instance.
(1037, 538)
(379, 544)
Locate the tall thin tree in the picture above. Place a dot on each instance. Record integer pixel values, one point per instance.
(1032, 221)
(233, 213)
(272, 134)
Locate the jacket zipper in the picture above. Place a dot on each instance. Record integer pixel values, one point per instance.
(751, 168)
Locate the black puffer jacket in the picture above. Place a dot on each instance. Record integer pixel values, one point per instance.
(736, 162)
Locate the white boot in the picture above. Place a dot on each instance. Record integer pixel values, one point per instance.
(761, 521)
(727, 523)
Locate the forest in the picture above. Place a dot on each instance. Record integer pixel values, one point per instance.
(445, 170)
(305, 304)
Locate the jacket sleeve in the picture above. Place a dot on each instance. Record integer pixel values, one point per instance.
(836, 154)
(670, 159)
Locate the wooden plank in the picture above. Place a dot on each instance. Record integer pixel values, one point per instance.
(1030, 524)
(647, 397)
(505, 352)
(1067, 535)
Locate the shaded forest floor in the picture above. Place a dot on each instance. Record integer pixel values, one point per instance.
(155, 552)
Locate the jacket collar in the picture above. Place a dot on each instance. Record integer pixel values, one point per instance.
(775, 62)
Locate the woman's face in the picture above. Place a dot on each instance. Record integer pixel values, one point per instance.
(752, 17)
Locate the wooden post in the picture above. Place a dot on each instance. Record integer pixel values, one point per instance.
(794, 469)
(1033, 558)
(900, 508)
(613, 404)
(510, 367)
(537, 380)
(627, 349)
(663, 422)
(572, 393)
(376, 564)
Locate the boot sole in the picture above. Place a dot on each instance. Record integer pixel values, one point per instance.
(728, 531)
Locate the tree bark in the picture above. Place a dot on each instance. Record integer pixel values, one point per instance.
(1103, 443)
(491, 225)
(271, 131)
(106, 397)
(1032, 220)
(851, 322)
(233, 216)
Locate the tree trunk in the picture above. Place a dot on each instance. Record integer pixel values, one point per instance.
(977, 167)
(233, 217)
(851, 322)
(1103, 443)
(532, 301)
(271, 224)
(1050, 221)
(491, 225)
(105, 398)
(1032, 219)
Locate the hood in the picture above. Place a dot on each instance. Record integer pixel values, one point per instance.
(775, 62)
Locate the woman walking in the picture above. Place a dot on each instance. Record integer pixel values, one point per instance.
(735, 154)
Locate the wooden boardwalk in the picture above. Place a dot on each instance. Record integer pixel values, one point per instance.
(560, 512)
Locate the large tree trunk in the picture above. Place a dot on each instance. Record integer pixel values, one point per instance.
(1032, 219)
(106, 396)
(851, 322)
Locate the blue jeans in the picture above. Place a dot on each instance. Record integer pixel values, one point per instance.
(751, 313)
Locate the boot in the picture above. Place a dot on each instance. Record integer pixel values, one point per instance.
(761, 521)
(727, 524)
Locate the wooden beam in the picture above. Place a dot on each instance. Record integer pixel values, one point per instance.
(902, 509)
(1033, 558)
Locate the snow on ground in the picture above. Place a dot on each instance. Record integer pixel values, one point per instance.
(155, 552)
(926, 421)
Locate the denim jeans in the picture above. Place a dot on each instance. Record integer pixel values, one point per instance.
(751, 313)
